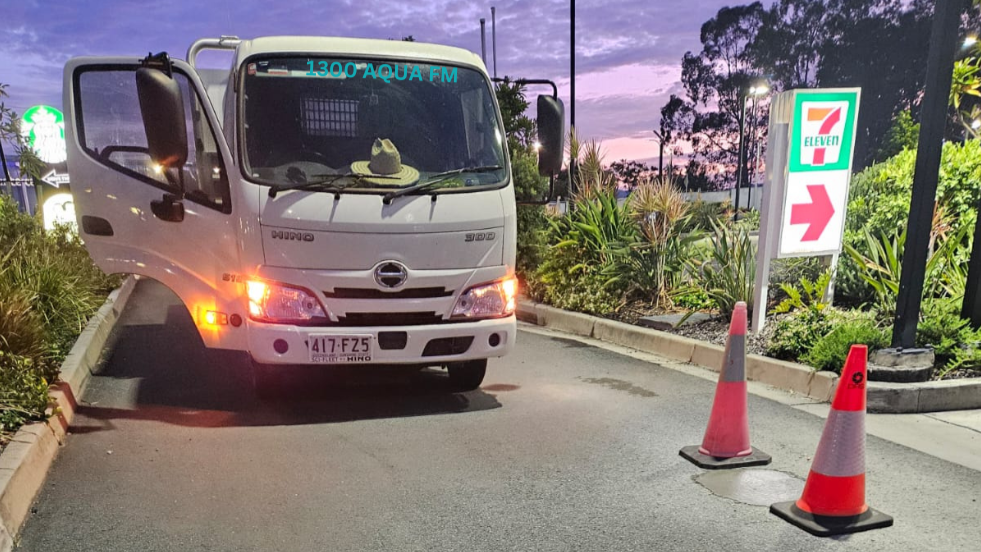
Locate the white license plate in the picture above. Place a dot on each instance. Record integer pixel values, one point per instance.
(340, 349)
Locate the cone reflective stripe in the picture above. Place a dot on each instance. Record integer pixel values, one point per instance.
(833, 501)
(839, 465)
(726, 441)
(727, 434)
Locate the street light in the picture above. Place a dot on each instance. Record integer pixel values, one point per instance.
(755, 92)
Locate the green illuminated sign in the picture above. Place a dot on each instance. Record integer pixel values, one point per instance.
(44, 128)
(823, 131)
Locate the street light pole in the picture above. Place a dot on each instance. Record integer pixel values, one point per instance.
(754, 156)
(660, 156)
(572, 91)
(740, 167)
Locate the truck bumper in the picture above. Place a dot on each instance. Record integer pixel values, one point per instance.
(423, 345)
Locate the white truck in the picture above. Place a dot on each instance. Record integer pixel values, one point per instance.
(324, 201)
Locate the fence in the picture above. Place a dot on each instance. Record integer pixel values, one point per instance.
(23, 192)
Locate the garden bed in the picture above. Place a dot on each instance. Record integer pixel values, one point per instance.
(49, 290)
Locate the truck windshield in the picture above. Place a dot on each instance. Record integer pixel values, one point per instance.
(385, 124)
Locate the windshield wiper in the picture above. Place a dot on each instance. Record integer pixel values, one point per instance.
(327, 184)
(436, 179)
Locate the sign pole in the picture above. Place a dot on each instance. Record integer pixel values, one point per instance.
(808, 170)
(775, 178)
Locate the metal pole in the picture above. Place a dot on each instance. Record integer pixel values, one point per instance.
(933, 114)
(971, 309)
(660, 156)
(753, 158)
(740, 166)
(483, 41)
(6, 173)
(572, 90)
(494, 38)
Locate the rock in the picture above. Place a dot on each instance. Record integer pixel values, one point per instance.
(667, 322)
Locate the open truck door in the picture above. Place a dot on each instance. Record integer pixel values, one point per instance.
(149, 169)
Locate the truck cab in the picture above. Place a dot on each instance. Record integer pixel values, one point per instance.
(323, 201)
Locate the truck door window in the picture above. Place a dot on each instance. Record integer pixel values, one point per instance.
(111, 131)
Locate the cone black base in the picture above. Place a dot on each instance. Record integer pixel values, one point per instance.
(826, 526)
(756, 458)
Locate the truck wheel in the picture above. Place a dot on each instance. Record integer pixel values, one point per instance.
(266, 381)
(467, 376)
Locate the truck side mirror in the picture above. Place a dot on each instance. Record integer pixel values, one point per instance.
(551, 135)
(162, 108)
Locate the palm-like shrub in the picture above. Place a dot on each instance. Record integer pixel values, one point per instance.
(656, 263)
(729, 273)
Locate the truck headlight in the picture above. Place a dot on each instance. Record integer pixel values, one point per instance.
(493, 300)
(283, 304)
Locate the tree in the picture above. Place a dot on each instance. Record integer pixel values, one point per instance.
(528, 184)
(878, 45)
(714, 81)
(630, 173)
(519, 127)
(29, 162)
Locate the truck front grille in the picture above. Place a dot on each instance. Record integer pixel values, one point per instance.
(368, 293)
(389, 319)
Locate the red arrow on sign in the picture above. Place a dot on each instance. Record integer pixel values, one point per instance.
(817, 213)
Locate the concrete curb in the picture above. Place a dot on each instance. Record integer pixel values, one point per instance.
(24, 463)
(782, 375)
(883, 397)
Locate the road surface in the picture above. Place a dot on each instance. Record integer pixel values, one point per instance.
(566, 447)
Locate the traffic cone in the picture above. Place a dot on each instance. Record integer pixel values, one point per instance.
(833, 501)
(726, 443)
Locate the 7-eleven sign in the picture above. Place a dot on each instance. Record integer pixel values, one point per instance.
(815, 188)
(824, 131)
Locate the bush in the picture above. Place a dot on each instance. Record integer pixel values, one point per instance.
(703, 215)
(830, 351)
(795, 335)
(23, 391)
(532, 239)
(729, 274)
(48, 290)
(594, 234)
(879, 199)
(655, 265)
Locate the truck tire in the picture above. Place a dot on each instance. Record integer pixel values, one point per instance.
(467, 376)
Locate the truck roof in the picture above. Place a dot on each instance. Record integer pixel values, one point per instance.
(358, 46)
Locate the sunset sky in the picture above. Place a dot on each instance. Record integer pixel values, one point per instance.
(628, 52)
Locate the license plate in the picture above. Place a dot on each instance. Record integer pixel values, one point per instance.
(340, 349)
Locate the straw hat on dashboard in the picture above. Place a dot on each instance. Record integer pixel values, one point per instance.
(385, 161)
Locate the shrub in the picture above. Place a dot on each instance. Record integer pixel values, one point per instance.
(595, 233)
(880, 268)
(810, 295)
(830, 351)
(48, 290)
(879, 200)
(656, 264)
(729, 274)
(942, 328)
(703, 215)
(795, 335)
(532, 239)
(23, 391)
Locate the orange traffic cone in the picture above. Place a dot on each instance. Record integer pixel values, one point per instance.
(726, 443)
(833, 501)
